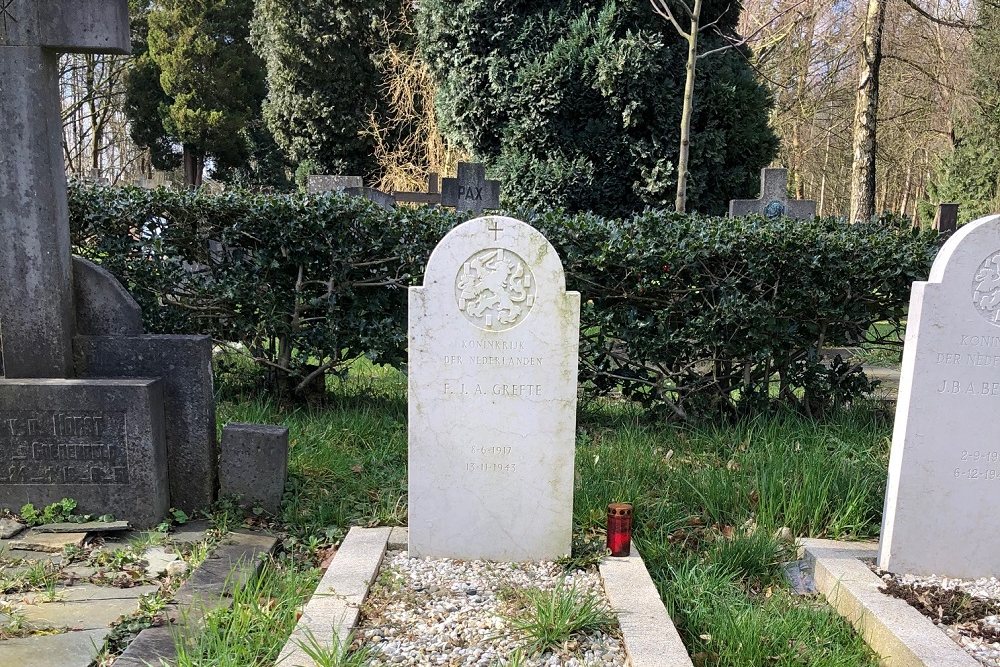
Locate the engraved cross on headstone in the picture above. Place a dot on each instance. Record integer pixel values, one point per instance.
(470, 191)
(495, 228)
(36, 282)
(773, 201)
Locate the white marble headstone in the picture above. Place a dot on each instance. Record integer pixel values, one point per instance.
(493, 353)
(943, 492)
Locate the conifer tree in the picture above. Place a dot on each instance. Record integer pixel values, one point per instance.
(323, 86)
(577, 103)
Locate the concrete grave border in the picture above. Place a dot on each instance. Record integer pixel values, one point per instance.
(898, 633)
(649, 636)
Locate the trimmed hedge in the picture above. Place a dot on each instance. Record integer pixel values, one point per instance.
(692, 315)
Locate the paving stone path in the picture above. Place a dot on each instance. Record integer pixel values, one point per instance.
(61, 593)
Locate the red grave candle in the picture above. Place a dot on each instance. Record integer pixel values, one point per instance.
(619, 529)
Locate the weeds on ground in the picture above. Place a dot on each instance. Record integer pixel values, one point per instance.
(547, 618)
(252, 630)
(16, 577)
(338, 654)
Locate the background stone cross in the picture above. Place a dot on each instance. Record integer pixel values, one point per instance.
(36, 279)
(773, 201)
(470, 191)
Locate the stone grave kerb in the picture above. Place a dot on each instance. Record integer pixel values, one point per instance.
(944, 469)
(470, 191)
(492, 397)
(36, 270)
(773, 201)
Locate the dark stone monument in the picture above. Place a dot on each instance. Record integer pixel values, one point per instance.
(100, 442)
(103, 306)
(431, 197)
(36, 273)
(946, 218)
(184, 363)
(351, 186)
(773, 201)
(90, 426)
(254, 464)
(471, 191)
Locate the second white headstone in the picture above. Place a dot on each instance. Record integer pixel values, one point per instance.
(493, 354)
(944, 469)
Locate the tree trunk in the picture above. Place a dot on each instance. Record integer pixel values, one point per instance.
(866, 115)
(692, 63)
(907, 184)
(801, 90)
(194, 165)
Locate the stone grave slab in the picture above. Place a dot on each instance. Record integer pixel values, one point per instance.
(944, 467)
(84, 527)
(9, 528)
(493, 353)
(70, 649)
(773, 201)
(103, 306)
(321, 183)
(50, 542)
(91, 614)
(100, 442)
(185, 365)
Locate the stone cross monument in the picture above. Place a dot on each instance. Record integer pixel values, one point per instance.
(36, 270)
(470, 191)
(773, 201)
(90, 407)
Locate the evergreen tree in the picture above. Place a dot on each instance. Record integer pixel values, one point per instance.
(144, 96)
(577, 103)
(213, 80)
(323, 86)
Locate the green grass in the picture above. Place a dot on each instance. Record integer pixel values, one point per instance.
(708, 500)
(548, 618)
(886, 350)
(347, 459)
(251, 631)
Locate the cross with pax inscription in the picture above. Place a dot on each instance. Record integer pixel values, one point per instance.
(37, 317)
(470, 191)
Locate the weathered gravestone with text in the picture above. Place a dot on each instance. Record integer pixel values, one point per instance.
(944, 469)
(773, 201)
(89, 407)
(493, 345)
(470, 191)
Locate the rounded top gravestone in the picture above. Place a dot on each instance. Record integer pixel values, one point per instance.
(493, 345)
(944, 468)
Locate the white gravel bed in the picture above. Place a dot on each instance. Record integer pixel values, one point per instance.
(986, 652)
(429, 612)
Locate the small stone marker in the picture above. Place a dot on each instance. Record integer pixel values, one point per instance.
(323, 183)
(254, 464)
(471, 191)
(944, 469)
(946, 218)
(493, 353)
(773, 201)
